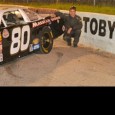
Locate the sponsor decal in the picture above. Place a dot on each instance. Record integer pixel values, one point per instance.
(35, 41)
(36, 24)
(55, 18)
(63, 28)
(31, 48)
(0, 39)
(35, 47)
(1, 57)
(58, 21)
(5, 33)
(0, 48)
(0, 42)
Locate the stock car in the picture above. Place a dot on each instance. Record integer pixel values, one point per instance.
(23, 32)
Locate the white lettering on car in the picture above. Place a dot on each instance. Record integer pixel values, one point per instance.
(37, 24)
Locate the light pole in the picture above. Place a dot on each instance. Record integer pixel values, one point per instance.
(27, 1)
(94, 2)
(57, 1)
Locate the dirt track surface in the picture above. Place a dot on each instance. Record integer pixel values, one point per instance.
(64, 66)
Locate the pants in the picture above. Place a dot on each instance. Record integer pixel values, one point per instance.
(75, 34)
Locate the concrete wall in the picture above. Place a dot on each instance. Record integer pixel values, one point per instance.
(98, 31)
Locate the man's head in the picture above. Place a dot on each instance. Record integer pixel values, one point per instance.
(72, 11)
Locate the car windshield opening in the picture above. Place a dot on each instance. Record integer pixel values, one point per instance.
(13, 18)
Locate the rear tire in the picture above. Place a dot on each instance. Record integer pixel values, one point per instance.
(46, 40)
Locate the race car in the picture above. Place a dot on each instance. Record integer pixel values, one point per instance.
(23, 32)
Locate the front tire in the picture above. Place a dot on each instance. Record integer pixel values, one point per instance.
(46, 40)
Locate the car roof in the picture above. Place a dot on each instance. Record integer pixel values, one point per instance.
(6, 9)
(2, 10)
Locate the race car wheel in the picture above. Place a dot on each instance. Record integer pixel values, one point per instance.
(46, 40)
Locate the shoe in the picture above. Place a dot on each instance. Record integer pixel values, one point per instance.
(69, 43)
(64, 38)
(75, 45)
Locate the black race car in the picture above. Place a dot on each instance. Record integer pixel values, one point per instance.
(23, 32)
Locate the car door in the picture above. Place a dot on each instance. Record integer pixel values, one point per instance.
(16, 36)
(55, 23)
(57, 26)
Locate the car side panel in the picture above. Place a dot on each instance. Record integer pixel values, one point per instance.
(21, 40)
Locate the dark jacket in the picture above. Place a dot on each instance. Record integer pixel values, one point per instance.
(70, 22)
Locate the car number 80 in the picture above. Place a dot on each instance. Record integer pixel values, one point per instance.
(20, 39)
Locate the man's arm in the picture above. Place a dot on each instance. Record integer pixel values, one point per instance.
(62, 15)
(79, 24)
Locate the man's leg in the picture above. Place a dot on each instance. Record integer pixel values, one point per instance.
(68, 39)
(76, 38)
(64, 37)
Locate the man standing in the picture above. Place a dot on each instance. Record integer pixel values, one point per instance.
(73, 26)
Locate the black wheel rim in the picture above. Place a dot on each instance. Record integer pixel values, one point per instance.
(46, 41)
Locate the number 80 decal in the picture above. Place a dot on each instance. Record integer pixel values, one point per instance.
(20, 39)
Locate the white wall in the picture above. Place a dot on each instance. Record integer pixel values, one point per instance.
(105, 42)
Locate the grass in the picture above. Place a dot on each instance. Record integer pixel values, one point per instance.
(66, 6)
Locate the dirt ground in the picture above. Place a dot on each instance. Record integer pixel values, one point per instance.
(64, 66)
